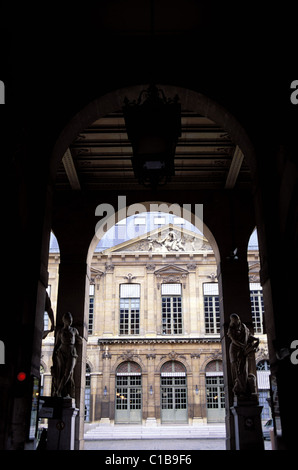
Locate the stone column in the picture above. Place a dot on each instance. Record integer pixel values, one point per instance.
(193, 307)
(74, 278)
(150, 391)
(105, 393)
(109, 302)
(234, 298)
(150, 320)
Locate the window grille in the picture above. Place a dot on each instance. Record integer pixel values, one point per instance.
(211, 308)
(171, 315)
(129, 309)
(91, 309)
(257, 306)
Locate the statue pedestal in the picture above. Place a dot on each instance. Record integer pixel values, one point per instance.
(248, 427)
(61, 422)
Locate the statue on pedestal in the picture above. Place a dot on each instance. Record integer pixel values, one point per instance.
(243, 344)
(65, 358)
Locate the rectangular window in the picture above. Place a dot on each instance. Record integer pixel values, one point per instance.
(91, 309)
(171, 309)
(129, 309)
(257, 306)
(211, 308)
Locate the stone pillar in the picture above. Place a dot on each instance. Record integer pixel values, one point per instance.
(234, 298)
(248, 428)
(150, 391)
(73, 285)
(105, 393)
(193, 307)
(150, 319)
(109, 301)
(61, 429)
(198, 391)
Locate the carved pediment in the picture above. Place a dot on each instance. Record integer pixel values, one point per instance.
(171, 274)
(95, 274)
(169, 270)
(164, 240)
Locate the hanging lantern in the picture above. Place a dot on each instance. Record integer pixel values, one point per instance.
(153, 125)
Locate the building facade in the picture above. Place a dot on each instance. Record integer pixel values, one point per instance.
(154, 350)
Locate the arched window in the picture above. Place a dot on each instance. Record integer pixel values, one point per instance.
(128, 401)
(173, 382)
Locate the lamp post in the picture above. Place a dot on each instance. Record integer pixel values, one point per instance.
(153, 125)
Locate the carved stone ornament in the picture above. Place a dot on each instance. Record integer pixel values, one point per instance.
(173, 355)
(129, 278)
(168, 240)
(110, 267)
(171, 274)
(127, 356)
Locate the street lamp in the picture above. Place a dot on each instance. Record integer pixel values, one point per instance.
(153, 125)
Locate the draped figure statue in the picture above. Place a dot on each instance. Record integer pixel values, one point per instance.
(243, 344)
(65, 358)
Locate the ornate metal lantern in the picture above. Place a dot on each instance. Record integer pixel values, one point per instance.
(153, 125)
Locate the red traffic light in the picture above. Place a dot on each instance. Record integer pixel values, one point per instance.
(21, 376)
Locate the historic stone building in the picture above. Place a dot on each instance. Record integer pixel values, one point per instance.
(154, 353)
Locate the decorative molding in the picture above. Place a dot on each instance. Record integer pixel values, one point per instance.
(173, 355)
(129, 278)
(106, 355)
(167, 239)
(127, 356)
(191, 267)
(151, 356)
(95, 275)
(110, 267)
(150, 267)
(107, 341)
(171, 274)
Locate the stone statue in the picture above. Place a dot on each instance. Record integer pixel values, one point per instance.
(64, 358)
(243, 344)
(171, 242)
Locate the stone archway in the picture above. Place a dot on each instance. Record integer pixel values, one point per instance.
(189, 99)
(113, 102)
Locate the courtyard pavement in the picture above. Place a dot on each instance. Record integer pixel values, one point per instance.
(137, 437)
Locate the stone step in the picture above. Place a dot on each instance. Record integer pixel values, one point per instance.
(155, 432)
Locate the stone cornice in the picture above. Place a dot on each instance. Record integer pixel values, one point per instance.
(106, 341)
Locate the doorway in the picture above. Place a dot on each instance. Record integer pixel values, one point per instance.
(128, 400)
